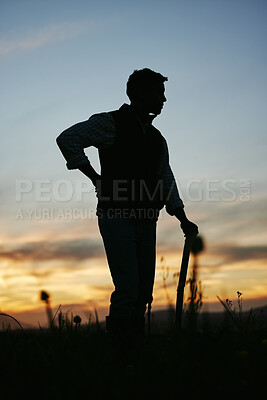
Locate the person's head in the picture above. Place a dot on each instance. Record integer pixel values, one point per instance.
(145, 89)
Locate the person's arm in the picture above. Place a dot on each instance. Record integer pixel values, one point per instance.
(188, 227)
(173, 203)
(90, 172)
(98, 131)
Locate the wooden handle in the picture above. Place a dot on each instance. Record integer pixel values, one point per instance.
(182, 280)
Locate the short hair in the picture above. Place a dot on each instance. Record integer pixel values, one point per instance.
(142, 79)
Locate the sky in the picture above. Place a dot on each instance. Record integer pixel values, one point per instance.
(61, 62)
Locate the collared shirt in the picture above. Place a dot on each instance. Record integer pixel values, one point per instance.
(100, 131)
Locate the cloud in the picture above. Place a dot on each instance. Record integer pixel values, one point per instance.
(78, 250)
(52, 33)
(84, 249)
(232, 253)
(224, 254)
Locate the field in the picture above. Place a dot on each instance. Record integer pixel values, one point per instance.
(72, 360)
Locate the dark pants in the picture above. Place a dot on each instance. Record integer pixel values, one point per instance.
(131, 253)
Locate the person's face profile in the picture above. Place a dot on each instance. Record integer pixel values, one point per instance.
(153, 98)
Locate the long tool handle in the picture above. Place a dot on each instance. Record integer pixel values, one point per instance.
(181, 284)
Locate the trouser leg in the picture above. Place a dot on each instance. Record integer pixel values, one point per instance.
(120, 241)
(130, 250)
(146, 265)
(131, 253)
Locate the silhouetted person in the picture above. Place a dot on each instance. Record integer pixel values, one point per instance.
(135, 183)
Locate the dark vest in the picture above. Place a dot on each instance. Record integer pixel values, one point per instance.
(130, 185)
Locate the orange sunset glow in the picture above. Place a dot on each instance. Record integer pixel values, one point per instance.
(66, 258)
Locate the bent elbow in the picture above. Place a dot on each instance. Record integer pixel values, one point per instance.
(59, 140)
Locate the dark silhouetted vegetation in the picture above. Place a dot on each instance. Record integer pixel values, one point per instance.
(73, 359)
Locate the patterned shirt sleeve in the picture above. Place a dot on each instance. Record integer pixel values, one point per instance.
(171, 194)
(98, 131)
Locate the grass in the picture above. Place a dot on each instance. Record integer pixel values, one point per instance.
(75, 360)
